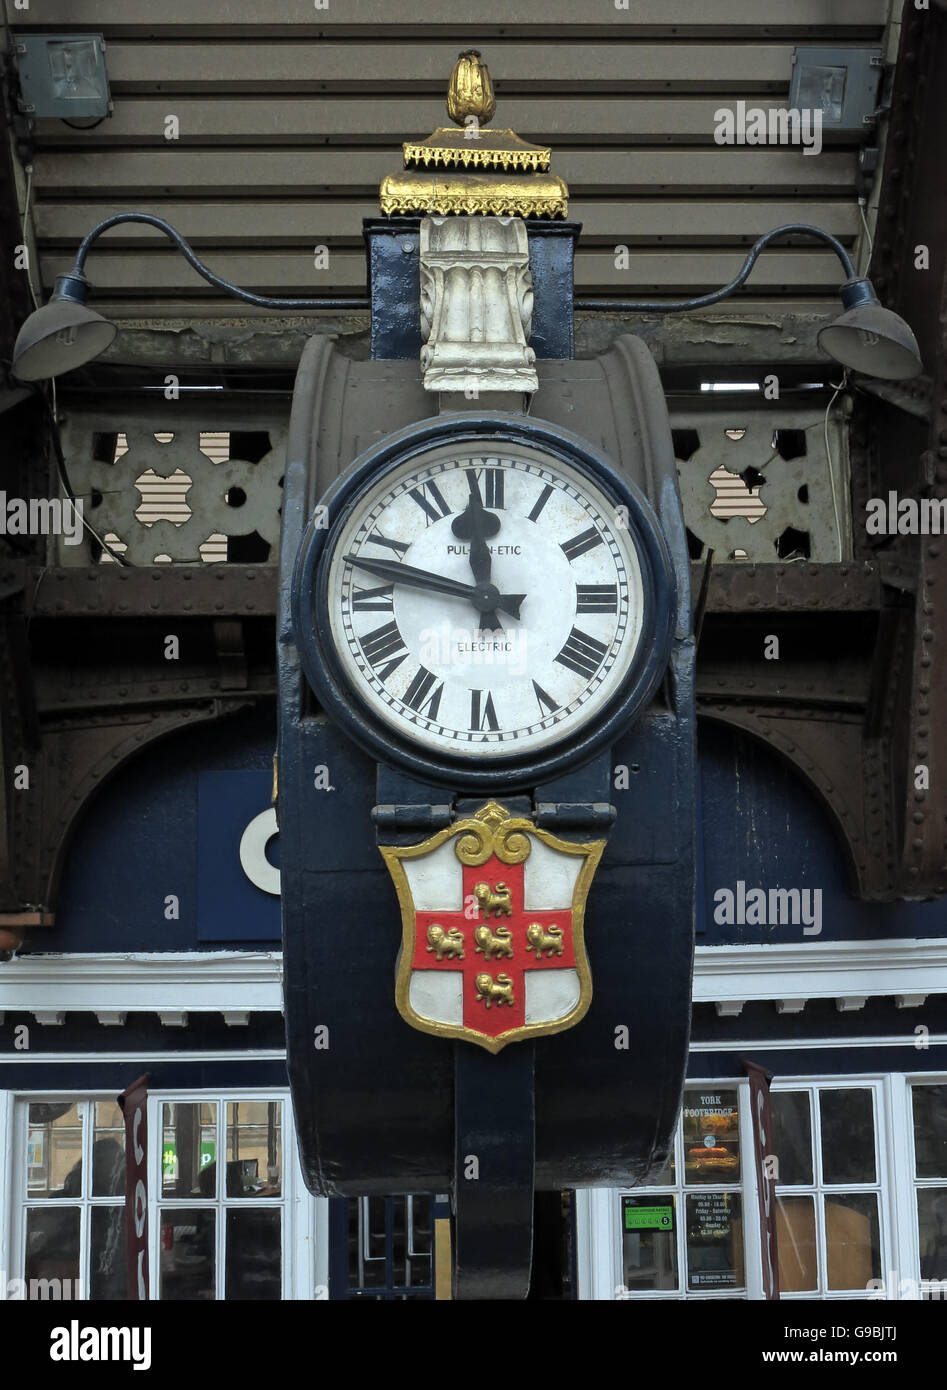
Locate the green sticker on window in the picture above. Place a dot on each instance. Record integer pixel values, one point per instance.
(650, 1218)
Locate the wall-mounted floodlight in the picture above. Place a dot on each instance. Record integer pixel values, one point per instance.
(66, 333)
(63, 75)
(841, 83)
(866, 337)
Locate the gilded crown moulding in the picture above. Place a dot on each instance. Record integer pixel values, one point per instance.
(507, 175)
(442, 195)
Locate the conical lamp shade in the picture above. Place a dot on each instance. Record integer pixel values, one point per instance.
(59, 337)
(873, 340)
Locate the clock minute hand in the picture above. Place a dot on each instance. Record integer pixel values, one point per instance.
(484, 597)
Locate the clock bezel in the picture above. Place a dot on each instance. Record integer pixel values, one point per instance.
(342, 701)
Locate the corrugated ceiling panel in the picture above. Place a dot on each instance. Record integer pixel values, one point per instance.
(290, 115)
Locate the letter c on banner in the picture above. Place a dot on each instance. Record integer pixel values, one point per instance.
(139, 1151)
(254, 840)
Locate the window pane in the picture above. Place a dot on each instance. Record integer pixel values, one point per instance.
(54, 1150)
(189, 1149)
(711, 1137)
(188, 1253)
(792, 1136)
(253, 1253)
(853, 1247)
(795, 1238)
(848, 1136)
(107, 1268)
(649, 1243)
(52, 1250)
(714, 1240)
(254, 1148)
(932, 1231)
(930, 1130)
(108, 1151)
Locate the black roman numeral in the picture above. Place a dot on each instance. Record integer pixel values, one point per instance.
(483, 714)
(585, 540)
(381, 644)
(582, 653)
(596, 598)
(398, 546)
(493, 485)
(546, 702)
(540, 502)
(419, 695)
(431, 501)
(380, 600)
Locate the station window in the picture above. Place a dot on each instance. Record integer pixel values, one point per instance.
(682, 1233)
(220, 1199)
(828, 1189)
(73, 1215)
(220, 1216)
(929, 1114)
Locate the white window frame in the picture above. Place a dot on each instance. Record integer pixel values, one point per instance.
(882, 1187)
(598, 1220)
(23, 1202)
(305, 1220)
(906, 1264)
(598, 1210)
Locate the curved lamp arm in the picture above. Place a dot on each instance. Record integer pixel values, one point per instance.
(67, 332)
(190, 255)
(701, 301)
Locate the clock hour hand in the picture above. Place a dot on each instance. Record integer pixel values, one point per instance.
(476, 525)
(485, 597)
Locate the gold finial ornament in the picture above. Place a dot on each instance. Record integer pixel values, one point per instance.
(474, 169)
(470, 91)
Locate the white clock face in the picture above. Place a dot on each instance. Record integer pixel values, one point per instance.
(543, 620)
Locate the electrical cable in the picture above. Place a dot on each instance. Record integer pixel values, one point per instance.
(52, 411)
(871, 247)
(24, 232)
(828, 455)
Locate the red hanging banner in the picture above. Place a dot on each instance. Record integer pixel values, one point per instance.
(134, 1103)
(765, 1176)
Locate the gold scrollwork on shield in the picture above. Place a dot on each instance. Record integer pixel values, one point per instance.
(497, 833)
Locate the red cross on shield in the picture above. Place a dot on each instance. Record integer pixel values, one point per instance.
(493, 945)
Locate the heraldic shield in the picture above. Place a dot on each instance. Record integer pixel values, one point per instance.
(492, 913)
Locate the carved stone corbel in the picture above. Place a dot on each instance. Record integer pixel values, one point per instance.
(476, 305)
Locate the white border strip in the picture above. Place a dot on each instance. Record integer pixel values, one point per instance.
(261, 1054)
(156, 982)
(798, 1044)
(251, 981)
(820, 970)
